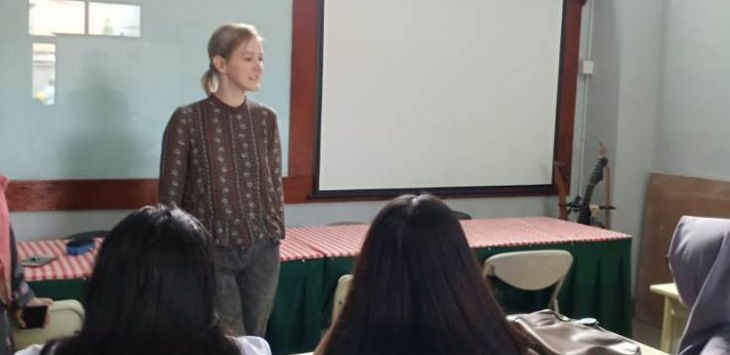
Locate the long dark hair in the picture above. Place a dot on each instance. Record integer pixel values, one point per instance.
(152, 291)
(417, 289)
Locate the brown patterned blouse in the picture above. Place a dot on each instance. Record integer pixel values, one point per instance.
(222, 164)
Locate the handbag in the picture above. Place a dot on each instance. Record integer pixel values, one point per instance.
(549, 332)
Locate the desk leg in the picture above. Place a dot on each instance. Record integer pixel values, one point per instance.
(666, 342)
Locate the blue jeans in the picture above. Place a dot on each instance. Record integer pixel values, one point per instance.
(246, 283)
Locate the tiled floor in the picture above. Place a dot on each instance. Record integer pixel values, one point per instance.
(647, 334)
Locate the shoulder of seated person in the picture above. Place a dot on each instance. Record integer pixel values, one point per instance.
(719, 343)
(251, 345)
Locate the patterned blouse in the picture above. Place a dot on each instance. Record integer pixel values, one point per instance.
(222, 164)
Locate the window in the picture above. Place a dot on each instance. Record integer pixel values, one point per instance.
(49, 17)
(44, 73)
(114, 19)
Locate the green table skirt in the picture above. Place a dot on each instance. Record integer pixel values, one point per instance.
(598, 286)
(294, 322)
(294, 325)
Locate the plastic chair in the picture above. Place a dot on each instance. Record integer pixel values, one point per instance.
(344, 223)
(343, 287)
(531, 270)
(65, 318)
(461, 215)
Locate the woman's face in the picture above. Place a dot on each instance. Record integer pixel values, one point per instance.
(245, 66)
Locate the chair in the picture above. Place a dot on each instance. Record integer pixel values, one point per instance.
(344, 223)
(88, 234)
(343, 287)
(531, 270)
(675, 316)
(461, 215)
(65, 318)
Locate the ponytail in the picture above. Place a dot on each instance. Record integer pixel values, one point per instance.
(209, 81)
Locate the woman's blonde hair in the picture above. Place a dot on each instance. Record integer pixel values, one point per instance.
(223, 42)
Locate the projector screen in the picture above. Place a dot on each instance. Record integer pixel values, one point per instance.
(438, 94)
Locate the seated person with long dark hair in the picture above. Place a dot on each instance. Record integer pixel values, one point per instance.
(417, 289)
(699, 257)
(152, 292)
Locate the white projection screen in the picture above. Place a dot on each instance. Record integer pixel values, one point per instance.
(422, 94)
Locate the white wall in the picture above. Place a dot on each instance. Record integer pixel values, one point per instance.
(102, 101)
(56, 224)
(659, 96)
(602, 88)
(623, 101)
(692, 137)
(642, 25)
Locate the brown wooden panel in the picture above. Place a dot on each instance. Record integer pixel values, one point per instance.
(568, 85)
(298, 186)
(72, 195)
(302, 135)
(297, 189)
(54, 195)
(668, 198)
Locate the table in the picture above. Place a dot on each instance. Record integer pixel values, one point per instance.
(648, 350)
(313, 258)
(674, 318)
(598, 285)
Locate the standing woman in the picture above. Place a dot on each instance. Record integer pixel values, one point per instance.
(221, 162)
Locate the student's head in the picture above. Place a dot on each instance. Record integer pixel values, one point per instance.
(236, 59)
(699, 257)
(417, 289)
(152, 290)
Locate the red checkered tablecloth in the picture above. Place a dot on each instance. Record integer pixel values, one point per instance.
(306, 243)
(64, 268)
(291, 250)
(345, 241)
(510, 232)
(331, 241)
(78, 267)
